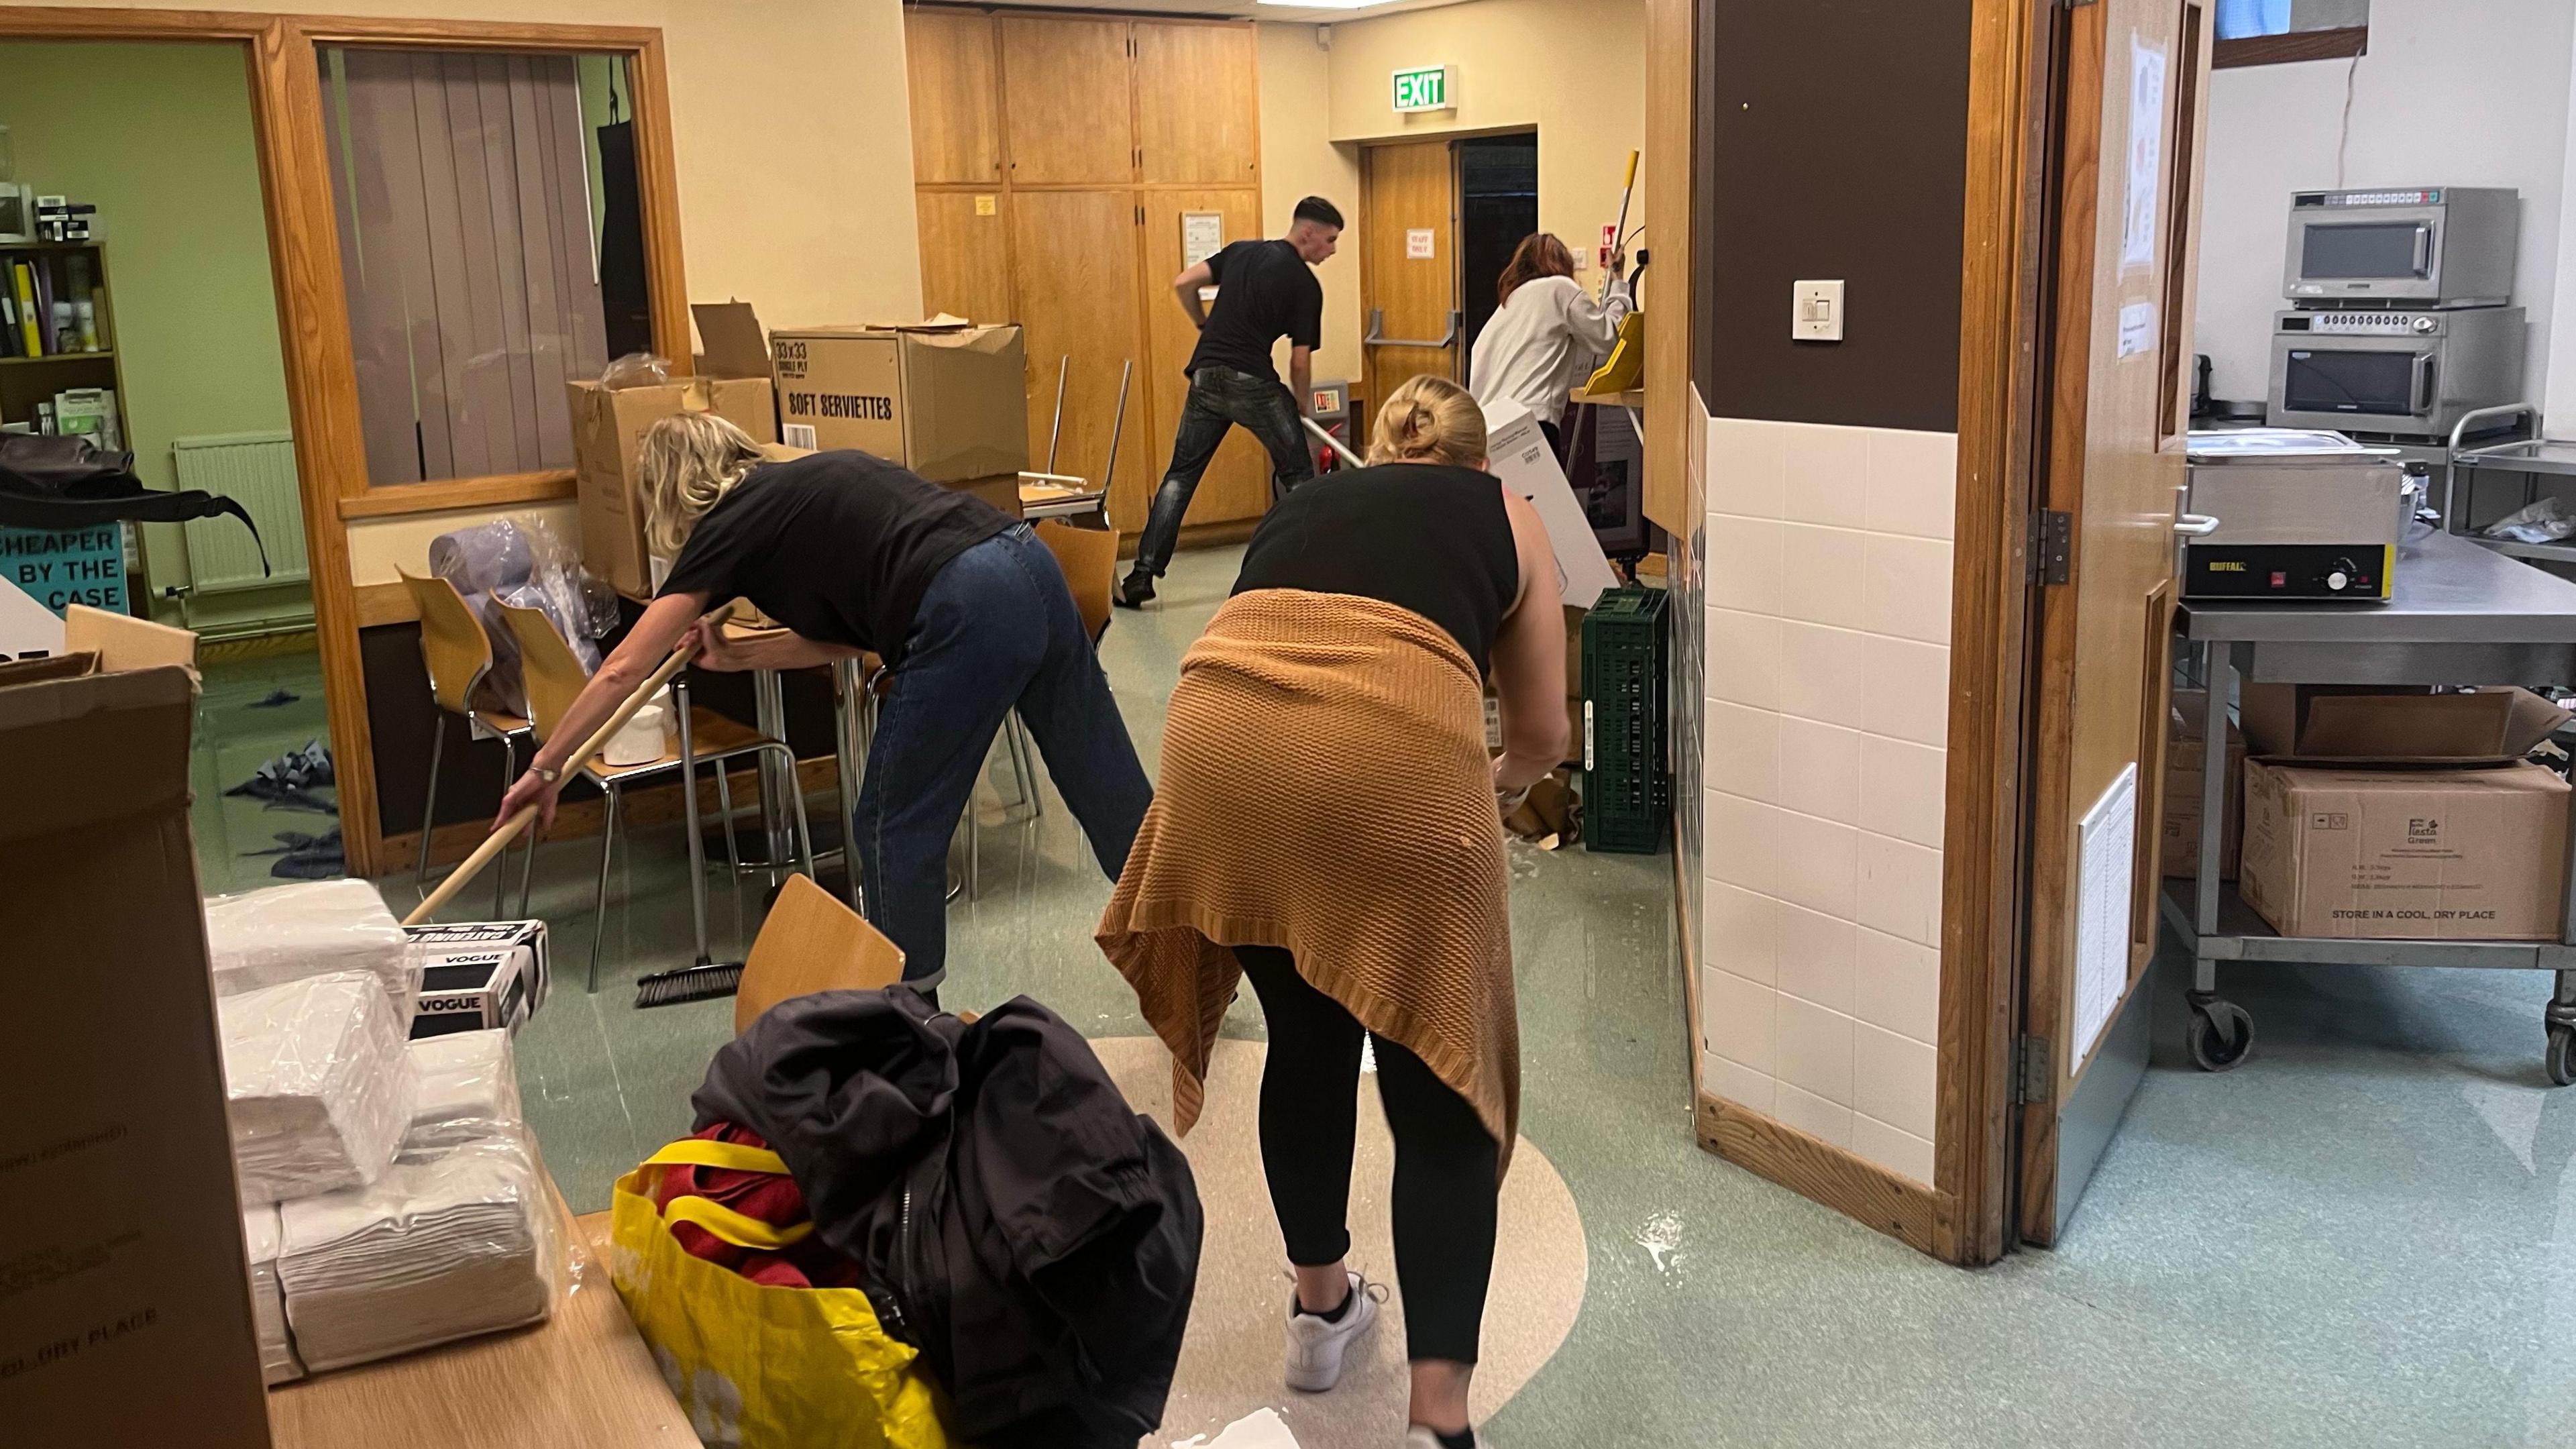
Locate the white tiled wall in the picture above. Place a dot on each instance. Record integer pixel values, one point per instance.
(1827, 669)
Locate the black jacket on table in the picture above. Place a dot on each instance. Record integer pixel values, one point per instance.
(1034, 1237)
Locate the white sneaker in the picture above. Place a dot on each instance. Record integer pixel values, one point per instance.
(1419, 1437)
(1315, 1346)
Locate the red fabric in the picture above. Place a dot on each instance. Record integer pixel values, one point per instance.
(768, 1196)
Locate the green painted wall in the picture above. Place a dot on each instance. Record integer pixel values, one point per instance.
(159, 137)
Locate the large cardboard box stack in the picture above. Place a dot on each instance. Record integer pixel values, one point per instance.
(607, 424)
(945, 398)
(2403, 815)
(2185, 755)
(123, 1314)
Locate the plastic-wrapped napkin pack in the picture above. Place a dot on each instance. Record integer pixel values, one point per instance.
(288, 933)
(319, 1086)
(452, 1241)
(260, 1234)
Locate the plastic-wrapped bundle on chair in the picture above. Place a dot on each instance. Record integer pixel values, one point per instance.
(526, 564)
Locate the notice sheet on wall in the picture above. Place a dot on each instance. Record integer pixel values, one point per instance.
(1202, 236)
(2106, 857)
(2146, 154)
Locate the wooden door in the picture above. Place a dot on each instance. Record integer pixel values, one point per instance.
(1067, 110)
(1197, 103)
(956, 123)
(966, 254)
(1076, 265)
(2130, 94)
(1237, 483)
(1408, 227)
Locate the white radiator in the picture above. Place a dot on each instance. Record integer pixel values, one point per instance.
(259, 470)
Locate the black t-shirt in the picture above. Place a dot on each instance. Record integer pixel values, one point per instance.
(839, 547)
(1264, 291)
(1420, 536)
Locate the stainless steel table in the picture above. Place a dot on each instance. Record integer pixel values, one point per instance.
(2462, 615)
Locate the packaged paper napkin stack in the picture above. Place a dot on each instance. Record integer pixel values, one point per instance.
(260, 1232)
(314, 928)
(456, 1239)
(463, 1086)
(319, 1086)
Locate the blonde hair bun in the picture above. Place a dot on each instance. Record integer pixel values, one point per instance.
(1429, 419)
(684, 466)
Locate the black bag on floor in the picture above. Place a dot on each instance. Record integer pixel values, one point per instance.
(1024, 1228)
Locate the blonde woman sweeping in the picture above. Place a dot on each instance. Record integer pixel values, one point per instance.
(857, 555)
(1326, 824)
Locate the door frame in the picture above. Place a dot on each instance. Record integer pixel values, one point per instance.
(2015, 131)
(281, 53)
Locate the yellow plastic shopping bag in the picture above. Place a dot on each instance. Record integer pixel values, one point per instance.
(759, 1367)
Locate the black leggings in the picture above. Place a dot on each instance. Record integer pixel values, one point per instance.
(1445, 1191)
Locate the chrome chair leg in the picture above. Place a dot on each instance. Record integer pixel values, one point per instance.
(429, 805)
(500, 868)
(1023, 764)
(724, 810)
(804, 831)
(607, 848)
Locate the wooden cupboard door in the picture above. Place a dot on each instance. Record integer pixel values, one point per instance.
(966, 254)
(1067, 111)
(2130, 80)
(1237, 482)
(1077, 279)
(1198, 110)
(1408, 264)
(956, 115)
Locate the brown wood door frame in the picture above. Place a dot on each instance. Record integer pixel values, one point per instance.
(281, 54)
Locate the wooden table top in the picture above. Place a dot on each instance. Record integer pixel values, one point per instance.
(583, 1380)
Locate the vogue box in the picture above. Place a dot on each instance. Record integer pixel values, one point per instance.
(478, 975)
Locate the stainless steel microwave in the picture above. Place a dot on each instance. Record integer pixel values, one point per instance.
(2408, 373)
(2443, 246)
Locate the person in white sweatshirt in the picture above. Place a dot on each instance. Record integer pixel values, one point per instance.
(1548, 334)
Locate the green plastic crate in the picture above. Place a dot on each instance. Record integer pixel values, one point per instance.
(1627, 793)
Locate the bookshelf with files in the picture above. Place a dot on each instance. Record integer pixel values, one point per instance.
(58, 364)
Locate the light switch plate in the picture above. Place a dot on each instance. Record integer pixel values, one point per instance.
(1816, 311)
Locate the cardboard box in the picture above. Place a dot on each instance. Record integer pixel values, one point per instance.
(2185, 755)
(945, 398)
(606, 428)
(126, 1317)
(478, 975)
(2362, 725)
(2437, 854)
(1518, 454)
(1002, 491)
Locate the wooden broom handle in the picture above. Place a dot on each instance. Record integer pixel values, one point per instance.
(499, 840)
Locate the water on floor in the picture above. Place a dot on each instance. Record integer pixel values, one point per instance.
(258, 704)
(2361, 1237)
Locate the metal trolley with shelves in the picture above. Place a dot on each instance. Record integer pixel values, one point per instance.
(2461, 615)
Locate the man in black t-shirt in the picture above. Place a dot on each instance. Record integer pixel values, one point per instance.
(1266, 290)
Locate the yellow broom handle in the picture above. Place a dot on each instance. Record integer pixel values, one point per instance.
(500, 839)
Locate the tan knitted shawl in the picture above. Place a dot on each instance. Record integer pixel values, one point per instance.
(1325, 788)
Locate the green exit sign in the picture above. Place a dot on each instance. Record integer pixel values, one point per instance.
(1423, 88)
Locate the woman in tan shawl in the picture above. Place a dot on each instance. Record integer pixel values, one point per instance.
(1326, 824)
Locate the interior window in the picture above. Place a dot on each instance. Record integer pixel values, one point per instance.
(2271, 32)
(493, 249)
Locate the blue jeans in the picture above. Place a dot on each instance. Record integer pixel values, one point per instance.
(996, 631)
(1221, 398)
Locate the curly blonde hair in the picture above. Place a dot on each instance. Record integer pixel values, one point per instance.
(1429, 419)
(686, 464)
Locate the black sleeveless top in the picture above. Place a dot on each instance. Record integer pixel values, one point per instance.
(1421, 536)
